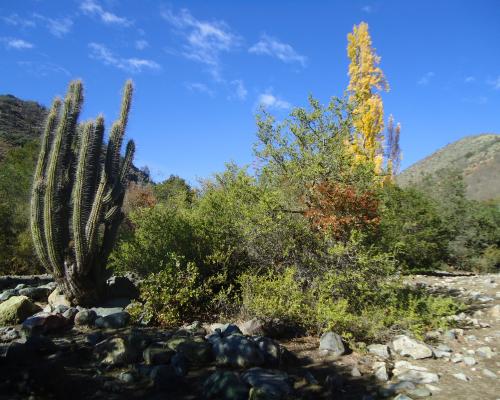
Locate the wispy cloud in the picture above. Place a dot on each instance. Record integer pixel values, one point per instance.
(42, 69)
(203, 41)
(15, 43)
(240, 91)
(475, 100)
(271, 46)
(367, 9)
(494, 83)
(425, 79)
(199, 87)
(56, 26)
(91, 7)
(16, 20)
(141, 44)
(102, 53)
(268, 100)
(469, 79)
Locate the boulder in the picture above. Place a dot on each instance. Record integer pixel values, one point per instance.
(237, 351)
(70, 313)
(42, 323)
(40, 293)
(406, 346)
(332, 343)
(225, 385)
(381, 350)
(7, 294)
(270, 384)
(16, 309)
(113, 321)
(380, 371)
(195, 349)
(253, 327)
(116, 351)
(85, 317)
(57, 298)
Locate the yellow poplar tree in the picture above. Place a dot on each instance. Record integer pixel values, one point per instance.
(366, 82)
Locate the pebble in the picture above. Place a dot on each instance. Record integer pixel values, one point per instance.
(484, 352)
(461, 377)
(489, 374)
(469, 361)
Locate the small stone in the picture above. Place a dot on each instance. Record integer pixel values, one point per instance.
(332, 343)
(485, 352)
(253, 327)
(355, 372)
(420, 392)
(116, 351)
(70, 313)
(410, 347)
(489, 374)
(381, 373)
(461, 377)
(418, 376)
(126, 377)
(469, 361)
(44, 323)
(456, 358)
(381, 350)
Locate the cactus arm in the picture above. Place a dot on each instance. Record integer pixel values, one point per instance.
(95, 216)
(80, 187)
(52, 201)
(38, 187)
(127, 161)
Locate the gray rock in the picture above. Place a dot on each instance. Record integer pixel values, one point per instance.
(381, 350)
(469, 361)
(116, 351)
(402, 397)
(195, 349)
(57, 298)
(271, 383)
(417, 377)
(485, 352)
(253, 327)
(127, 377)
(381, 372)
(16, 309)
(355, 372)
(7, 294)
(332, 342)
(60, 309)
(419, 392)
(489, 374)
(237, 351)
(225, 330)
(156, 354)
(70, 314)
(45, 323)
(461, 377)
(225, 385)
(406, 346)
(85, 317)
(40, 293)
(113, 321)
(105, 311)
(456, 358)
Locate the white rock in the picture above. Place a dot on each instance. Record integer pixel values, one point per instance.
(57, 298)
(381, 350)
(461, 377)
(410, 347)
(469, 361)
(418, 376)
(485, 352)
(489, 374)
(381, 373)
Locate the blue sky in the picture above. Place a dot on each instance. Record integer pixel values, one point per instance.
(201, 68)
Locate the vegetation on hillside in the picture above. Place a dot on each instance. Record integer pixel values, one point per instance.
(475, 158)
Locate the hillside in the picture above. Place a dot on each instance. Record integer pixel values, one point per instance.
(22, 121)
(476, 157)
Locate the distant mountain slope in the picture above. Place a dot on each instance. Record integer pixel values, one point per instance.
(22, 121)
(477, 157)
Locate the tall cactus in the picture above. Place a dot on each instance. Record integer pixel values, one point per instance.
(77, 195)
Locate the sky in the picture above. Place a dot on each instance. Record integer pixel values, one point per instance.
(202, 69)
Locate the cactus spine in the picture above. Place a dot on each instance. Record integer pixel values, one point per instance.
(77, 195)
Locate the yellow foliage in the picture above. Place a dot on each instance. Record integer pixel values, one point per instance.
(366, 78)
